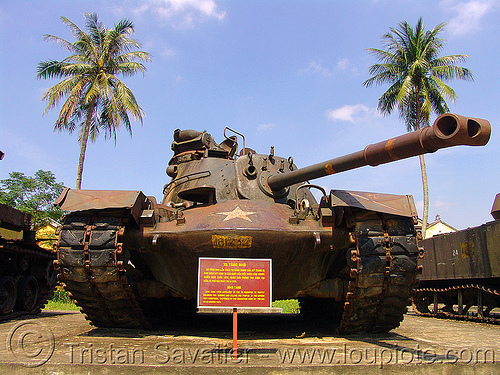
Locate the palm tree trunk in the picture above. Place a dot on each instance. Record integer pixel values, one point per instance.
(83, 147)
(425, 186)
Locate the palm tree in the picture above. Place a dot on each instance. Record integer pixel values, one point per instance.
(95, 100)
(412, 66)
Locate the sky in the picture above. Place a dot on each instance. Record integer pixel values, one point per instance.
(287, 74)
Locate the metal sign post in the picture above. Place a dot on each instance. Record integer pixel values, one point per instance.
(235, 332)
(234, 283)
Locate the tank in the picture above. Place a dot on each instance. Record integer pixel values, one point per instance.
(27, 275)
(461, 277)
(351, 258)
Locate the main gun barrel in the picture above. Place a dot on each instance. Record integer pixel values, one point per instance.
(448, 130)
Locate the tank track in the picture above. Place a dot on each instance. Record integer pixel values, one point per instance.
(383, 269)
(91, 263)
(46, 280)
(471, 295)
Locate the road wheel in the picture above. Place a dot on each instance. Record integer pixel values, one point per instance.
(7, 294)
(27, 293)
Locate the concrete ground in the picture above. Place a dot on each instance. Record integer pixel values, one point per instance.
(63, 343)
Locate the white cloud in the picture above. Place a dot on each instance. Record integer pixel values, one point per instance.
(469, 14)
(167, 52)
(316, 67)
(264, 128)
(351, 113)
(181, 14)
(343, 64)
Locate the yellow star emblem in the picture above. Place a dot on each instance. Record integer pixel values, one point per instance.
(237, 213)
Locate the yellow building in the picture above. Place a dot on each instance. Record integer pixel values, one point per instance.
(436, 227)
(47, 234)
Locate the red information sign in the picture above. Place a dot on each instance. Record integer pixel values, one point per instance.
(234, 282)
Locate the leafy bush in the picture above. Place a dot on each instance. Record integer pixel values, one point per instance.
(61, 295)
(61, 301)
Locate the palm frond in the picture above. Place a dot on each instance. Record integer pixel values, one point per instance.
(77, 33)
(50, 69)
(63, 42)
(451, 72)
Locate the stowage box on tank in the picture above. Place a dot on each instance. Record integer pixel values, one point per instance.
(350, 258)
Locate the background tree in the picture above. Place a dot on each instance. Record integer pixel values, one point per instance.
(34, 195)
(412, 66)
(95, 99)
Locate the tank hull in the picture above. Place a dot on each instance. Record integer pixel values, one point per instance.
(461, 277)
(27, 276)
(470, 254)
(131, 267)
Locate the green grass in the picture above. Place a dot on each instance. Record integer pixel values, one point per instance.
(52, 305)
(289, 306)
(61, 301)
